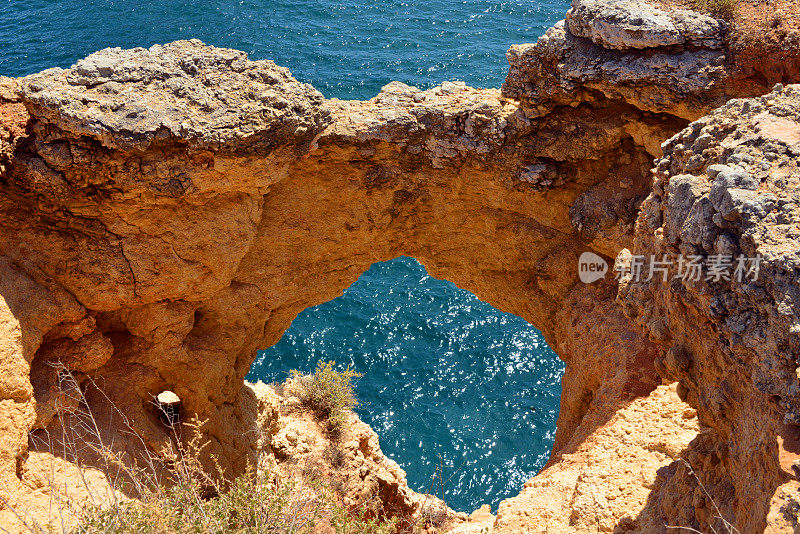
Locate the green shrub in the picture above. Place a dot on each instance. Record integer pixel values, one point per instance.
(724, 8)
(328, 392)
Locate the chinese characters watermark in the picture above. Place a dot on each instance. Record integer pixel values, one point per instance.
(692, 268)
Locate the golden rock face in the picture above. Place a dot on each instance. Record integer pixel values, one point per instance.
(166, 212)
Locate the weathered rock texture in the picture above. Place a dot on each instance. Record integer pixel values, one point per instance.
(167, 211)
(623, 24)
(353, 464)
(728, 185)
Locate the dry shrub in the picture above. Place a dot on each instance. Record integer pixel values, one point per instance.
(175, 493)
(254, 503)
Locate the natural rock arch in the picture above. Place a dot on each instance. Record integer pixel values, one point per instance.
(202, 253)
(166, 212)
(205, 244)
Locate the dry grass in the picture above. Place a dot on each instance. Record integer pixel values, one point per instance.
(727, 526)
(256, 502)
(173, 492)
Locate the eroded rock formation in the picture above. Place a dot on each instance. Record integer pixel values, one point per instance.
(165, 212)
(728, 186)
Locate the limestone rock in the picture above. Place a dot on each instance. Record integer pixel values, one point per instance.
(212, 97)
(165, 212)
(13, 119)
(727, 186)
(201, 254)
(634, 449)
(444, 124)
(363, 476)
(625, 24)
(561, 68)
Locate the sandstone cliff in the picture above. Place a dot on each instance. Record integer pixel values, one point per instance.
(728, 186)
(167, 211)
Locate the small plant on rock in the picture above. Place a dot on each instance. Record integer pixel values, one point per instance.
(724, 8)
(329, 393)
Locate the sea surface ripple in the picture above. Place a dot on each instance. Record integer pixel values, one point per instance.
(463, 397)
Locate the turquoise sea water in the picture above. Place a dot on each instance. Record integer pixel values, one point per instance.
(450, 384)
(346, 48)
(456, 390)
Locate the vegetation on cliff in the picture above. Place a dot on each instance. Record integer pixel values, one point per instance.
(328, 392)
(254, 503)
(183, 489)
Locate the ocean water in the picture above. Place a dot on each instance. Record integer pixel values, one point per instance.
(346, 48)
(463, 396)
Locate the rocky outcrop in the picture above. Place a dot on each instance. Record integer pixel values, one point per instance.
(209, 97)
(352, 464)
(726, 190)
(167, 211)
(606, 481)
(563, 69)
(623, 25)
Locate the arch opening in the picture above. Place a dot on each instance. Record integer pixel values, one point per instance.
(463, 396)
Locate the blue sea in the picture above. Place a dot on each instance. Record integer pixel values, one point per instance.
(464, 397)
